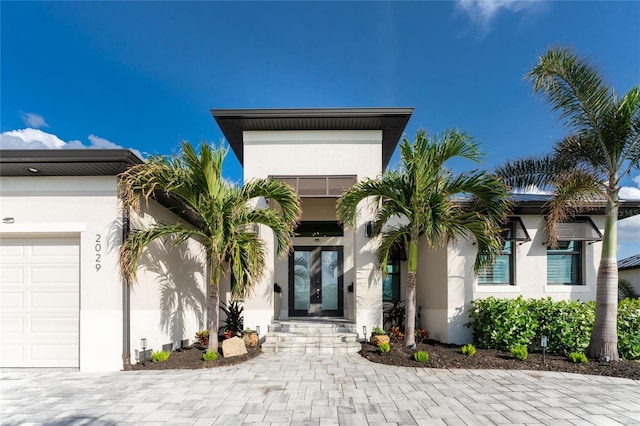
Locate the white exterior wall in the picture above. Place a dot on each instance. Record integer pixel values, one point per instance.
(300, 153)
(633, 276)
(168, 299)
(86, 207)
(530, 276)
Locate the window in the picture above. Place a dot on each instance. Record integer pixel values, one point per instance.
(391, 284)
(564, 263)
(501, 271)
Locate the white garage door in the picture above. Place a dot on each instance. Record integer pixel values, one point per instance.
(39, 301)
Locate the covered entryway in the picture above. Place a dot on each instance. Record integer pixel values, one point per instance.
(315, 281)
(39, 301)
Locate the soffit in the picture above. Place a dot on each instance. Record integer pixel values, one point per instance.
(392, 122)
(66, 162)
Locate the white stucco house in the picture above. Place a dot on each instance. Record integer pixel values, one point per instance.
(64, 303)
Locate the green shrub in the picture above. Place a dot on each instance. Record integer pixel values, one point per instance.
(421, 356)
(384, 347)
(160, 356)
(520, 352)
(378, 331)
(468, 350)
(629, 328)
(502, 323)
(210, 356)
(577, 357)
(567, 324)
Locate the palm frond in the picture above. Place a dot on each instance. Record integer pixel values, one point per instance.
(576, 192)
(573, 87)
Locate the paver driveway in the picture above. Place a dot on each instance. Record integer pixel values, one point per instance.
(280, 389)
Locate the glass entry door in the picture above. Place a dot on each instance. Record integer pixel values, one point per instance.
(315, 282)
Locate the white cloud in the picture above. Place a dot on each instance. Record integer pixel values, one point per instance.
(629, 193)
(483, 12)
(637, 180)
(629, 229)
(34, 120)
(30, 139)
(37, 139)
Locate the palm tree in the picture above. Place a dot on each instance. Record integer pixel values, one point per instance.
(222, 218)
(585, 167)
(423, 200)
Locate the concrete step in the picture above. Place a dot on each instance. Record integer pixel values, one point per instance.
(311, 336)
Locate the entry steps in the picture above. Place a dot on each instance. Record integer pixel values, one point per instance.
(312, 336)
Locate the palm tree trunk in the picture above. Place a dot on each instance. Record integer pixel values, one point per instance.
(604, 337)
(213, 309)
(410, 307)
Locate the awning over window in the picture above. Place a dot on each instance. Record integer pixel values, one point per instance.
(318, 186)
(582, 229)
(515, 231)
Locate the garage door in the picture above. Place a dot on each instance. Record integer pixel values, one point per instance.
(39, 301)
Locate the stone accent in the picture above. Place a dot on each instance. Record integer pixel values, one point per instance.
(233, 347)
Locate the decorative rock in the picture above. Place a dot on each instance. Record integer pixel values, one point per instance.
(233, 347)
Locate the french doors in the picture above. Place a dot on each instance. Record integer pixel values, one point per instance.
(315, 281)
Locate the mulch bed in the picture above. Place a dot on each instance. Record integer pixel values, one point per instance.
(449, 356)
(191, 358)
(440, 356)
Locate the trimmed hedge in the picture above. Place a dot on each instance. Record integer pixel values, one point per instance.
(504, 323)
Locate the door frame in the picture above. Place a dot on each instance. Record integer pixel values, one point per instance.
(339, 312)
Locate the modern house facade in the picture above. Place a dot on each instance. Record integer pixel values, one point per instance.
(64, 303)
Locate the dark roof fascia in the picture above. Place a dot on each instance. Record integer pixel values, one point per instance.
(66, 162)
(534, 204)
(233, 122)
(628, 263)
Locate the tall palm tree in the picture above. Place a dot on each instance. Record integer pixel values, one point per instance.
(585, 167)
(224, 219)
(423, 200)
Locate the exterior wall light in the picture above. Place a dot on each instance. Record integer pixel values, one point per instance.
(7, 220)
(368, 229)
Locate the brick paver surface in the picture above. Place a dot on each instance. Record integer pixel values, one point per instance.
(317, 390)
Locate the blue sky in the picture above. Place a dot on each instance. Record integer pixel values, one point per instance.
(144, 75)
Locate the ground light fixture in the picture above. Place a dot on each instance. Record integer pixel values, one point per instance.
(143, 344)
(543, 343)
(258, 330)
(364, 332)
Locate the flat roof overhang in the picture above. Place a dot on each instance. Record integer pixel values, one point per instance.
(535, 203)
(392, 122)
(81, 162)
(66, 162)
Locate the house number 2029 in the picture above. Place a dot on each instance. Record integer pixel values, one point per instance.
(98, 251)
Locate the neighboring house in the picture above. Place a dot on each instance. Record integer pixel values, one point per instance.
(629, 269)
(64, 303)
